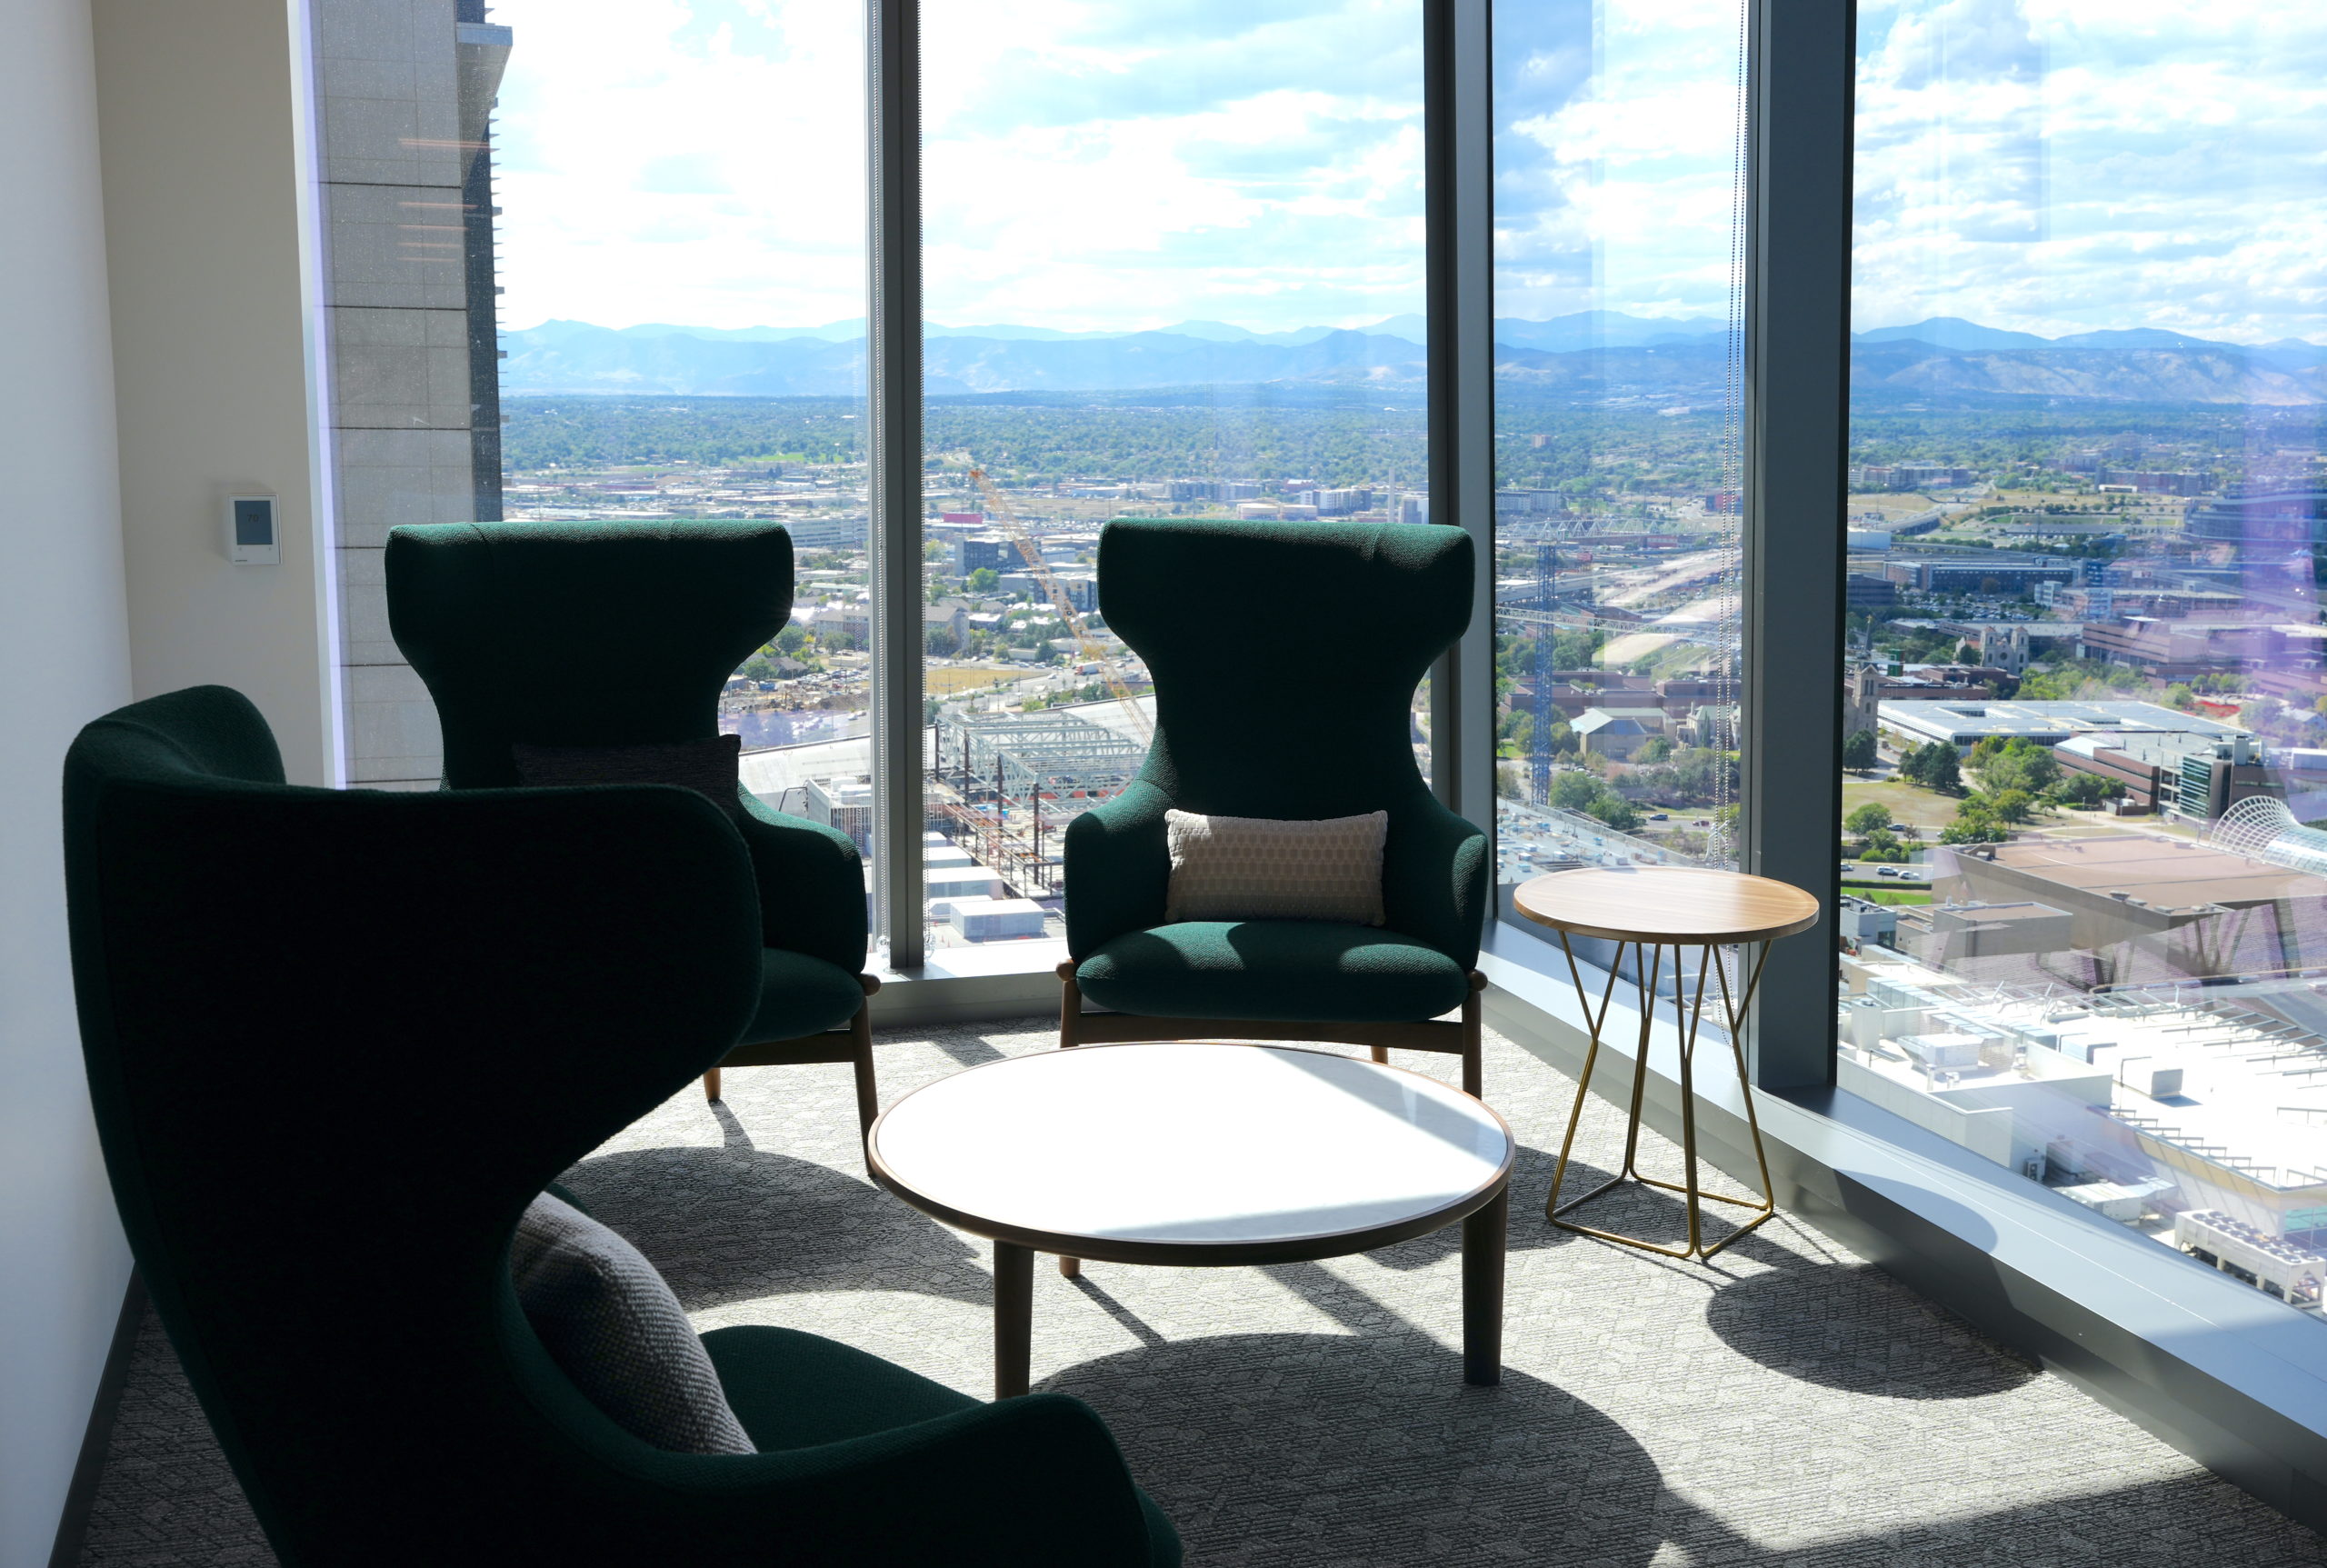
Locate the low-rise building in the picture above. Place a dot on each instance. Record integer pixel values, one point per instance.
(1964, 724)
(1617, 732)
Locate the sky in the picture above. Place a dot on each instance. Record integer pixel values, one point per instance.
(2046, 165)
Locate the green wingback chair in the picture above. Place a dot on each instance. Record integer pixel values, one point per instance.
(1284, 658)
(326, 1233)
(611, 634)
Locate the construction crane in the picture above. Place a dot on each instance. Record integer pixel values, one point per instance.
(1000, 511)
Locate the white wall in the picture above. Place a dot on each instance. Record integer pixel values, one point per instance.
(206, 196)
(63, 659)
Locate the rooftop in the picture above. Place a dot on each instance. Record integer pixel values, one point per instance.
(2165, 874)
(2053, 722)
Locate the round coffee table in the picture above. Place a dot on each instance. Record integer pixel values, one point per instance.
(1652, 908)
(1192, 1154)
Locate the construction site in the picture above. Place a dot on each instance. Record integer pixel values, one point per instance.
(1005, 785)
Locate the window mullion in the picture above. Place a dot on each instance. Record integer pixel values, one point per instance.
(1800, 61)
(893, 364)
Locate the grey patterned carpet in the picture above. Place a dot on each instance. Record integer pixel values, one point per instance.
(1789, 1406)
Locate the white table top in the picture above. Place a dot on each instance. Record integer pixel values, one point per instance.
(1189, 1143)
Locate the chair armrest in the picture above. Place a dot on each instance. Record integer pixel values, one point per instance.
(1434, 879)
(1029, 1482)
(812, 885)
(1118, 869)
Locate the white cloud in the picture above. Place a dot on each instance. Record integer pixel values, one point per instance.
(2053, 165)
(2062, 165)
(702, 162)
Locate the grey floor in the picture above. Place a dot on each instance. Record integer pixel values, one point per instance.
(1788, 1405)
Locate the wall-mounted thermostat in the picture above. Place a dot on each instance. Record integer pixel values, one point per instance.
(251, 537)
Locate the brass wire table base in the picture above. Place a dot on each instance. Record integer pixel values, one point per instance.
(1646, 973)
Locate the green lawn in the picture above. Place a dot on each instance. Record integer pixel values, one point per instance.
(1905, 802)
(1891, 896)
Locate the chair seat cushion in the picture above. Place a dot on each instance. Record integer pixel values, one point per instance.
(801, 995)
(1291, 971)
(796, 1390)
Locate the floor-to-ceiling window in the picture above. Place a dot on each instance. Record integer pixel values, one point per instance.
(1619, 471)
(1174, 266)
(606, 263)
(2085, 913)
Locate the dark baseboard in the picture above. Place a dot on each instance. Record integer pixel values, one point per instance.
(73, 1522)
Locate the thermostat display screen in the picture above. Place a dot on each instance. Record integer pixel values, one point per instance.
(254, 521)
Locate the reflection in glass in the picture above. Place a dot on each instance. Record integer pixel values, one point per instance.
(681, 232)
(1618, 361)
(2085, 919)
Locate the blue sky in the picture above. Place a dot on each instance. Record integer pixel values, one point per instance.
(2052, 165)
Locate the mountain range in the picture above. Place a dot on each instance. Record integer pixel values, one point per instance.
(1589, 355)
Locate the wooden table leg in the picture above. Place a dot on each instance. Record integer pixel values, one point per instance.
(1483, 1251)
(1013, 1317)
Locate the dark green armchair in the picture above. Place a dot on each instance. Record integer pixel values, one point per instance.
(1285, 658)
(326, 1233)
(611, 634)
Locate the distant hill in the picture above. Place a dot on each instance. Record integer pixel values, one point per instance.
(1582, 357)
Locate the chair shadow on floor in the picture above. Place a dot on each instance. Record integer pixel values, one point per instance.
(1290, 1449)
(1852, 1327)
(738, 1223)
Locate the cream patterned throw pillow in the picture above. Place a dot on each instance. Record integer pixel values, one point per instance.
(1258, 868)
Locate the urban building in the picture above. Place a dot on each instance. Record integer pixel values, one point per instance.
(2265, 517)
(987, 552)
(844, 802)
(405, 182)
(1964, 724)
(1996, 572)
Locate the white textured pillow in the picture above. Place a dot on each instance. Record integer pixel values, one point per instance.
(1259, 868)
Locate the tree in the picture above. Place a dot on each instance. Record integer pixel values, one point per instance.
(1657, 749)
(1883, 848)
(1616, 811)
(984, 580)
(1872, 818)
(942, 643)
(1574, 791)
(2086, 790)
(1972, 824)
(2010, 805)
(1934, 766)
(792, 639)
(2019, 763)
(1859, 753)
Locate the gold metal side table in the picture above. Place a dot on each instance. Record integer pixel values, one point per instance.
(1651, 909)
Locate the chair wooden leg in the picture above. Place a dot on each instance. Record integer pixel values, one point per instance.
(1474, 1065)
(711, 1084)
(868, 1091)
(1381, 1055)
(1069, 1010)
(1069, 1005)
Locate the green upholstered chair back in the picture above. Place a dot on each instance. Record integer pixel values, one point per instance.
(580, 633)
(292, 1003)
(1286, 656)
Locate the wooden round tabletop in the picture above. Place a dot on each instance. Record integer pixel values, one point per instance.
(1192, 1152)
(1659, 904)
